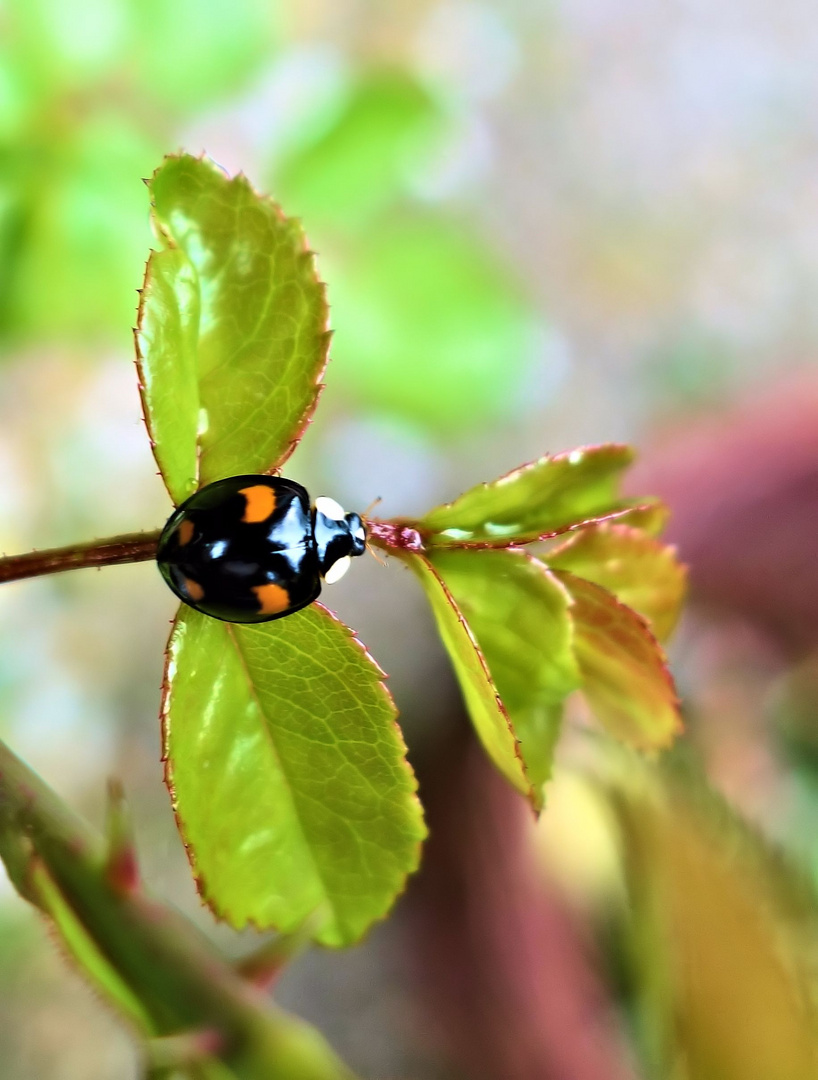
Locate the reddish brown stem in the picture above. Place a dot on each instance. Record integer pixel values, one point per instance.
(132, 547)
(394, 536)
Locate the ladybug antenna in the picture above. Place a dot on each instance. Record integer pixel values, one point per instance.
(369, 546)
(374, 554)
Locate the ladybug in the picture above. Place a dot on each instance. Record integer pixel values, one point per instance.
(250, 549)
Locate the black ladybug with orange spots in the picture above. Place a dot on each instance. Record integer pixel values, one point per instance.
(251, 548)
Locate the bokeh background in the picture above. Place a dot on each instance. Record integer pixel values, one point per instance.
(542, 224)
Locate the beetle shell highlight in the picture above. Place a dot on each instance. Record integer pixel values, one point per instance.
(250, 548)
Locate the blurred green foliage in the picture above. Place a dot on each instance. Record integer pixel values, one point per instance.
(355, 158)
(432, 324)
(91, 91)
(719, 933)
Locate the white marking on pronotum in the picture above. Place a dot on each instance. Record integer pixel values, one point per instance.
(337, 570)
(360, 533)
(330, 508)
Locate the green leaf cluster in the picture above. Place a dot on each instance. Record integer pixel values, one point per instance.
(288, 776)
(286, 769)
(525, 630)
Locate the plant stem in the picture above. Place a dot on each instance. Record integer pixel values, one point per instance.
(132, 547)
(393, 536)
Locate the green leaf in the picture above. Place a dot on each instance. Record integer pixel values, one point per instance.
(232, 338)
(167, 341)
(148, 961)
(519, 614)
(650, 516)
(640, 572)
(288, 774)
(547, 497)
(625, 677)
(487, 711)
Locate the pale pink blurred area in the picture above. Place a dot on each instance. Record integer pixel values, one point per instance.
(742, 486)
(741, 482)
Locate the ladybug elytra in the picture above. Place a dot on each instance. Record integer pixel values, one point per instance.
(250, 548)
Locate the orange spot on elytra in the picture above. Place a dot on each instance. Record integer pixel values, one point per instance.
(261, 501)
(193, 589)
(273, 598)
(185, 532)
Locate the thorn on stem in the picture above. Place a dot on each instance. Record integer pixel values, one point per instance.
(188, 1048)
(263, 966)
(121, 867)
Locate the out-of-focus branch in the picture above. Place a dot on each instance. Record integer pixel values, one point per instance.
(509, 976)
(149, 962)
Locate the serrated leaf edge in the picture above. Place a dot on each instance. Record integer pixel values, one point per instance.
(669, 551)
(531, 793)
(663, 666)
(409, 534)
(523, 539)
(199, 877)
(306, 417)
(514, 474)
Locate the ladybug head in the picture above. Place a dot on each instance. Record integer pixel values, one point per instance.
(357, 533)
(339, 537)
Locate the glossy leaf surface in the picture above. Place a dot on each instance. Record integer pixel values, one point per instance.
(232, 337)
(519, 613)
(148, 962)
(624, 671)
(487, 711)
(288, 773)
(642, 573)
(544, 498)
